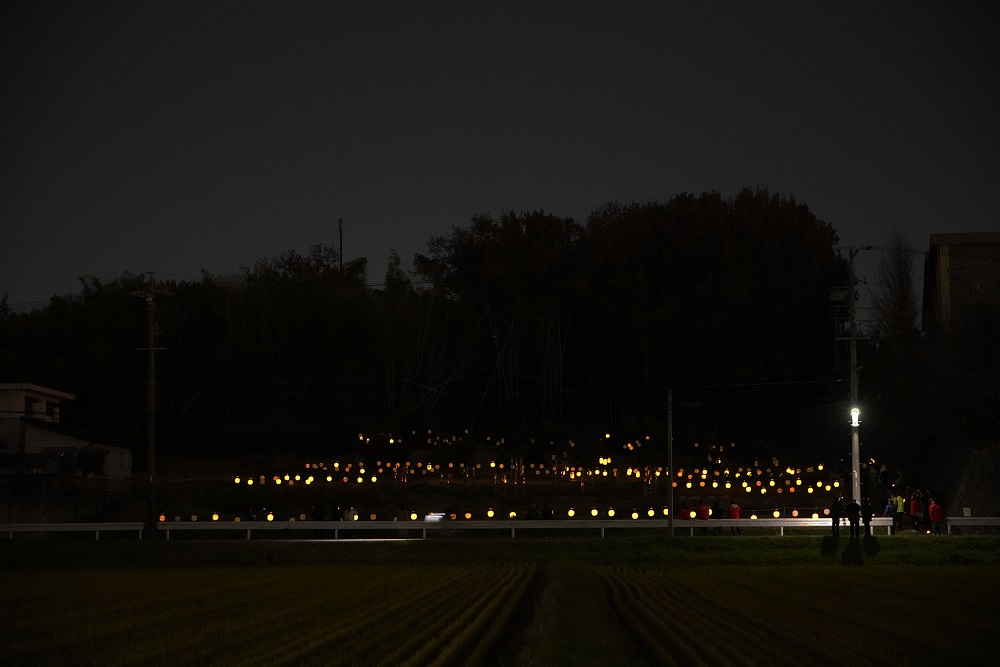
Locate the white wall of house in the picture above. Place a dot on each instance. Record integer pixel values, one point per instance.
(26, 400)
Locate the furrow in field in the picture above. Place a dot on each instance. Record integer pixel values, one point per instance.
(340, 630)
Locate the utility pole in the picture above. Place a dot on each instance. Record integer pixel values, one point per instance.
(340, 226)
(855, 438)
(670, 462)
(150, 297)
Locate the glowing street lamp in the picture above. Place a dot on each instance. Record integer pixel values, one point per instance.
(855, 455)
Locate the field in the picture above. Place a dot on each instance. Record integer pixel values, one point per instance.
(909, 600)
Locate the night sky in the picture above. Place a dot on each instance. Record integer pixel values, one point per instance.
(178, 136)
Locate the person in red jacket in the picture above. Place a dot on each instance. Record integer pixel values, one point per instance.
(937, 517)
(733, 512)
(916, 509)
(703, 513)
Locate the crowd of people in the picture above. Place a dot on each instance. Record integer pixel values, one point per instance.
(905, 506)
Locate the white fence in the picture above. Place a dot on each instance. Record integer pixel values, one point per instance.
(45, 529)
(398, 529)
(972, 522)
(334, 529)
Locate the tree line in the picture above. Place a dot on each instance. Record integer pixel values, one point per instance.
(528, 324)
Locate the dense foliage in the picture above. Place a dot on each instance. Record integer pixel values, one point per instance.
(527, 324)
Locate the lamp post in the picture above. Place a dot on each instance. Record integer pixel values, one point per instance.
(855, 455)
(855, 446)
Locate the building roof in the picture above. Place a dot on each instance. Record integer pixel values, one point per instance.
(81, 434)
(965, 238)
(36, 389)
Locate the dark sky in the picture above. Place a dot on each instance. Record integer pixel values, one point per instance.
(178, 136)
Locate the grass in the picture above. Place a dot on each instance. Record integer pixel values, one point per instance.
(554, 601)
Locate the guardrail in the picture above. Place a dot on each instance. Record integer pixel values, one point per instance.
(297, 529)
(97, 528)
(511, 526)
(972, 522)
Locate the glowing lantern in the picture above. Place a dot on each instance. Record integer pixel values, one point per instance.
(270, 516)
(163, 518)
(635, 515)
(413, 516)
(693, 514)
(611, 512)
(249, 482)
(513, 514)
(194, 517)
(593, 512)
(651, 513)
(571, 513)
(776, 514)
(489, 513)
(302, 517)
(215, 516)
(237, 480)
(468, 515)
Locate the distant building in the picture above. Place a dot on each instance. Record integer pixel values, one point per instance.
(39, 454)
(959, 270)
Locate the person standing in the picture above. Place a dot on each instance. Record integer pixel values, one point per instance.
(836, 512)
(703, 513)
(937, 517)
(900, 503)
(733, 512)
(866, 515)
(916, 509)
(853, 511)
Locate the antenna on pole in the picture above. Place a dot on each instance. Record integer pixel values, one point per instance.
(150, 295)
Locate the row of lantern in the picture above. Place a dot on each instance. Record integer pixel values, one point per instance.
(747, 486)
(492, 514)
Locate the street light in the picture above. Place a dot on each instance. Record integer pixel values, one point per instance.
(855, 455)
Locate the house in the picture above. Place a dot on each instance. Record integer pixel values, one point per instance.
(959, 271)
(39, 454)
